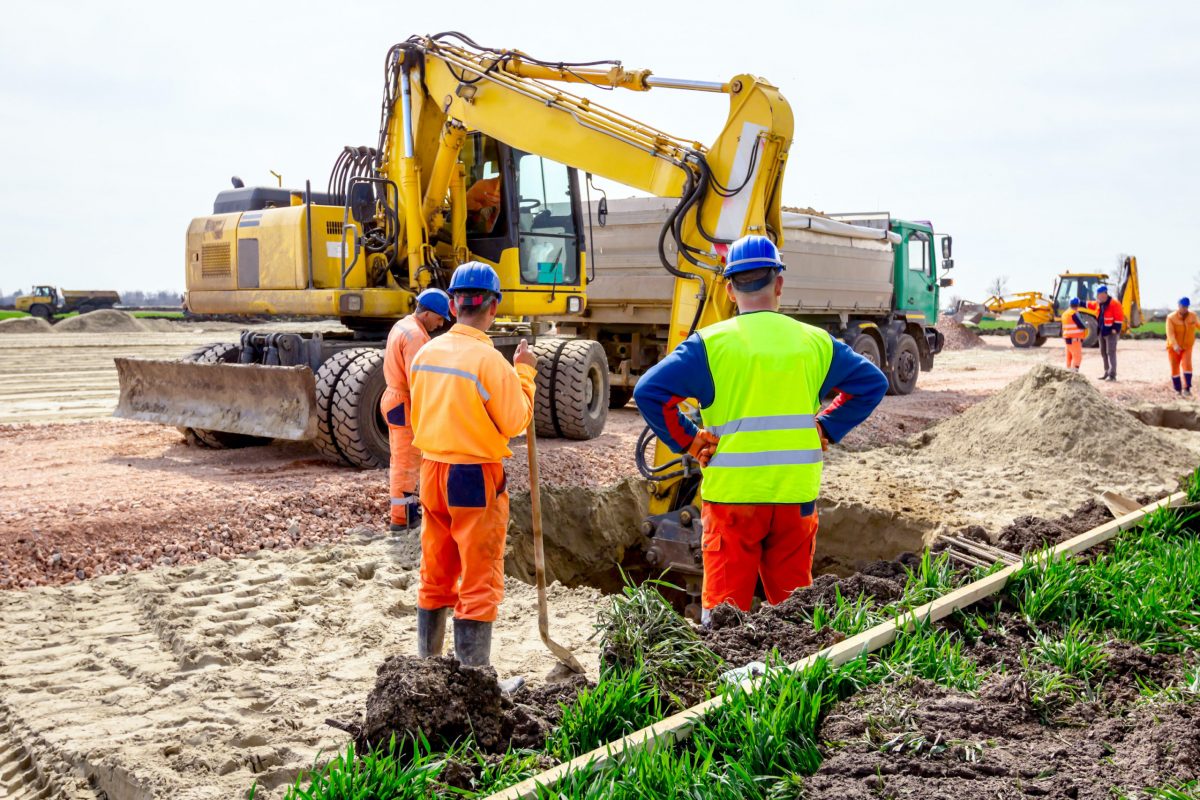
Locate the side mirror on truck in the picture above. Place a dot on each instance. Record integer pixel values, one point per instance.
(947, 242)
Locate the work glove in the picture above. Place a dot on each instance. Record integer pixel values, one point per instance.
(703, 446)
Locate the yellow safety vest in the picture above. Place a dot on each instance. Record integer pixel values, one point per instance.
(767, 371)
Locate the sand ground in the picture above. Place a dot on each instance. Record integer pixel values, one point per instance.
(206, 611)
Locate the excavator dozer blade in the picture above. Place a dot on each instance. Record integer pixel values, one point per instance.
(278, 402)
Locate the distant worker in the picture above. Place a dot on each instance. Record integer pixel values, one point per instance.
(1182, 325)
(405, 339)
(467, 402)
(1111, 317)
(483, 204)
(1073, 333)
(759, 379)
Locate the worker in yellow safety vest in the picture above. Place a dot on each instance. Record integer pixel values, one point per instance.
(1073, 333)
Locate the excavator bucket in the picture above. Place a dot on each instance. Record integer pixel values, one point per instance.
(277, 402)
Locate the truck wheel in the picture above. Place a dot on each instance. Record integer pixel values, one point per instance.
(866, 346)
(905, 367)
(1039, 340)
(85, 309)
(572, 388)
(1023, 335)
(1092, 337)
(41, 311)
(350, 429)
(222, 353)
(619, 396)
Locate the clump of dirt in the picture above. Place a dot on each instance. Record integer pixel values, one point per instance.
(739, 637)
(24, 325)
(588, 530)
(105, 320)
(958, 336)
(1060, 414)
(919, 739)
(447, 702)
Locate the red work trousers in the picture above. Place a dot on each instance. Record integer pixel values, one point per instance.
(462, 538)
(745, 542)
(1074, 353)
(405, 463)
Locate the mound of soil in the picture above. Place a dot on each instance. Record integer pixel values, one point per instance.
(917, 739)
(1056, 413)
(24, 325)
(1027, 534)
(740, 637)
(448, 702)
(105, 320)
(958, 336)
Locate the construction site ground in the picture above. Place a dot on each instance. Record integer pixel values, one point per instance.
(179, 622)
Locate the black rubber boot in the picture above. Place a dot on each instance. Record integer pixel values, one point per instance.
(431, 632)
(473, 642)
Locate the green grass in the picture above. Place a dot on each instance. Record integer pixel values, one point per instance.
(138, 314)
(1159, 327)
(377, 774)
(622, 702)
(1176, 790)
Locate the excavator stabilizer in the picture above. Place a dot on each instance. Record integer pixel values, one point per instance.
(276, 402)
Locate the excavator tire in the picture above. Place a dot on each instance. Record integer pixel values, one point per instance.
(905, 366)
(572, 398)
(221, 353)
(1023, 336)
(1092, 326)
(350, 429)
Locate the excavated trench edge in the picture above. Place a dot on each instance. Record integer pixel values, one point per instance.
(679, 726)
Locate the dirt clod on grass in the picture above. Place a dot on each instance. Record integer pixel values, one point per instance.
(448, 703)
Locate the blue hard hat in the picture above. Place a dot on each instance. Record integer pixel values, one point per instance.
(437, 301)
(1186, 303)
(475, 276)
(1101, 288)
(751, 253)
(1074, 302)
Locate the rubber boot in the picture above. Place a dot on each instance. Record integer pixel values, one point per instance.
(1178, 384)
(473, 642)
(412, 516)
(431, 632)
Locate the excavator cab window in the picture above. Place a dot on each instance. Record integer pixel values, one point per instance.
(1070, 286)
(547, 222)
(485, 187)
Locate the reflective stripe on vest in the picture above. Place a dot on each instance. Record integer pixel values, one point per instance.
(458, 373)
(1069, 328)
(767, 371)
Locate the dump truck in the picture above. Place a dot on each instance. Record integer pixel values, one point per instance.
(46, 301)
(870, 279)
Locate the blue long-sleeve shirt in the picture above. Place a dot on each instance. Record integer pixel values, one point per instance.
(685, 373)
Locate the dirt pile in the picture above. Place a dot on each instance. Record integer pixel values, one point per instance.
(24, 325)
(447, 702)
(958, 336)
(1059, 414)
(106, 320)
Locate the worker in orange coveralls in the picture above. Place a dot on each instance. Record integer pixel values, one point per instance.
(1182, 324)
(1073, 333)
(467, 402)
(405, 339)
(759, 379)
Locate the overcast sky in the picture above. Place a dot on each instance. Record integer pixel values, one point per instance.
(1043, 136)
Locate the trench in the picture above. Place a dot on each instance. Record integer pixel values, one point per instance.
(1177, 416)
(592, 537)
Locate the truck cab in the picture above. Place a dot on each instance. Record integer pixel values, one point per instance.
(42, 301)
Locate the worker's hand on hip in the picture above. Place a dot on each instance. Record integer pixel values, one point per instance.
(824, 438)
(524, 355)
(703, 446)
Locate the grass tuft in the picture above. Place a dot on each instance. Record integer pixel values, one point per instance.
(622, 702)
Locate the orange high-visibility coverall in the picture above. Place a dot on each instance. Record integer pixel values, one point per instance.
(467, 402)
(1181, 336)
(405, 339)
(1073, 334)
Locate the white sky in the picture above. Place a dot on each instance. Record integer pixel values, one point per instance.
(1043, 136)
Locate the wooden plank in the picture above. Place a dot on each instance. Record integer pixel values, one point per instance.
(679, 726)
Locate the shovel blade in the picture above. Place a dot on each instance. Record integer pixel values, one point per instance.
(276, 402)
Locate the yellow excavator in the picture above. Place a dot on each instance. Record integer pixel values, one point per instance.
(1040, 315)
(479, 156)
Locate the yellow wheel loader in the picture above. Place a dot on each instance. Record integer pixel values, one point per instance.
(1040, 316)
(479, 157)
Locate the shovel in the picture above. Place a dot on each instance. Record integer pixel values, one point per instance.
(539, 558)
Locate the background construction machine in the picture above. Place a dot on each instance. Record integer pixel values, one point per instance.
(46, 301)
(1040, 316)
(478, 158)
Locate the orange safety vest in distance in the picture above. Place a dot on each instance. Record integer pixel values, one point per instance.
(467, 399)
(1069, 329)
